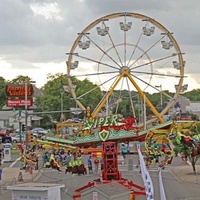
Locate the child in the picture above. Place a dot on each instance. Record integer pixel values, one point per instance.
(20, 177)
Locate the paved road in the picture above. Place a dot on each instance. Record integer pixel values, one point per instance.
(175, 187)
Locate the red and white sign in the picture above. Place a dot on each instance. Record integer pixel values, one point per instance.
(18, 102)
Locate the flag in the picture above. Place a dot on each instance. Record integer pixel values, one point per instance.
(162, 191)
(146, 177)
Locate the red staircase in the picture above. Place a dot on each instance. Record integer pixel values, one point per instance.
(110, 162)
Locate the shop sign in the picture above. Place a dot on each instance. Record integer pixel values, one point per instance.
(18, 90)
(18, 102)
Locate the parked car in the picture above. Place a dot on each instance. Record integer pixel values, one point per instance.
(4, 132)
(16, 138)
(39, 130)
(36, 135)
(17, 130)
(39, 136)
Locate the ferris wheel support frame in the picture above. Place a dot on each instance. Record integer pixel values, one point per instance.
(125, 73)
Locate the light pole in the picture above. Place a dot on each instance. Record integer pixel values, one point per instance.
(61, 106)
(161, 97)
(26, 114)
(145, 113)
(26, 108)
(20, 126)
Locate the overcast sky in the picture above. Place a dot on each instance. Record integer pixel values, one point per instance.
(36, 34)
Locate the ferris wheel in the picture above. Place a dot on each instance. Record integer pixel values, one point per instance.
(127, 52)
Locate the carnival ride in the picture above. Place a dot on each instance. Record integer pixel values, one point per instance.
(143, 59)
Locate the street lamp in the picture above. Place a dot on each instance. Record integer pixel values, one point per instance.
(26, 108)
(61, 106)
(161, 97)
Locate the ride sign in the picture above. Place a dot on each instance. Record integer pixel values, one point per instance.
(102, 121)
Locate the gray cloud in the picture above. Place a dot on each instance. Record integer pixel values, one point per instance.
(28, 38)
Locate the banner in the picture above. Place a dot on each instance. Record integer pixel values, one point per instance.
(162, 191)
(146, 177)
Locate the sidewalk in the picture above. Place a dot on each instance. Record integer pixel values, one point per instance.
(10, 176)
(185, 173)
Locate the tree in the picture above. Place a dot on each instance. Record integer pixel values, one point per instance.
(2, 92)
(54, 95)
(186, 139)
(20, 80)
(193, 95)
(93, 97)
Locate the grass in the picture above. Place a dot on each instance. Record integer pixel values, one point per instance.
(15, 150)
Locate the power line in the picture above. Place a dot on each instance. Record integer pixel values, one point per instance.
(50, 112)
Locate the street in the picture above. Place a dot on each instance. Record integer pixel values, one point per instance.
(175, 187)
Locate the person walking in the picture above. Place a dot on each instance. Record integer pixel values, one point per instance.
(123, 150)
(90, 165)
(128, 149)
(96, 165)
(101, 161)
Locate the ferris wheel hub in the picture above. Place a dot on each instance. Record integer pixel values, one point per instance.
(124, 68)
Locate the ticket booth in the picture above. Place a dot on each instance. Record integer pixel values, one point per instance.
(7, 152)
(42, 191)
